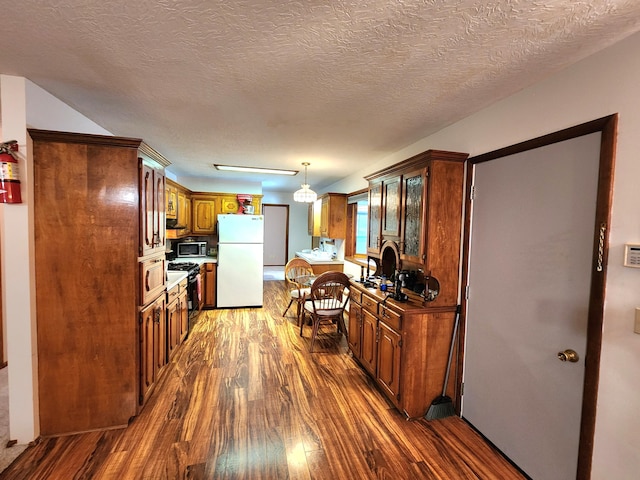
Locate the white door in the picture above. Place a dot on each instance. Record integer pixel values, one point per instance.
(276, 232)
(530, 261)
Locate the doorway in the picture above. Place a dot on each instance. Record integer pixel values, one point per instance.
(276, 234)
(535, 267)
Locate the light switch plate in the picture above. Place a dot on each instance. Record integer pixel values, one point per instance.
(636, 327)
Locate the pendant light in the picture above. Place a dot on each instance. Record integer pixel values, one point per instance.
(305, 194)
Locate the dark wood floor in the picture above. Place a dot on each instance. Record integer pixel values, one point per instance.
(244, 398)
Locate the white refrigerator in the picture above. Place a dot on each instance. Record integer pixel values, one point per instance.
(240, 260)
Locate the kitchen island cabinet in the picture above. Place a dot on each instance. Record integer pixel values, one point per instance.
(92, 328)
(402, 345)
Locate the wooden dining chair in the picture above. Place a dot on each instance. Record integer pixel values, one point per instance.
(295, 271)
(326, 302)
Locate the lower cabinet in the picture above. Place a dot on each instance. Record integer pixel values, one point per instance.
(388, 376)
(210, 285)
(404, 346)
(183, 314)
(177, 317)
(369, 342)
(153, 354)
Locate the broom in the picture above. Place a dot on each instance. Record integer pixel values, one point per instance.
(442, 406)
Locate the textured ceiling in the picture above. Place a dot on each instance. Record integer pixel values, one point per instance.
(338, 83)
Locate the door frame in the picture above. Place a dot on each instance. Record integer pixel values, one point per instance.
(286, 225)
(608, 127)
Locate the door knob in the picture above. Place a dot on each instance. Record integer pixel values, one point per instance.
(568, 356)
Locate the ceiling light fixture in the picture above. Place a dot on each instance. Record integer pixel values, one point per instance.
(275, 171)
(305, 194)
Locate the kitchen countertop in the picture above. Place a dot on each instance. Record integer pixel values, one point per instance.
(319, 258)
(198, 260)
(174, 278)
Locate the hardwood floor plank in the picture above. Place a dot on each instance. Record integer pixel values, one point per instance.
(244, 399)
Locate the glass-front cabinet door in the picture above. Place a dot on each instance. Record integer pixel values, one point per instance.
(391, 208)
(375, 207)
(414, 195)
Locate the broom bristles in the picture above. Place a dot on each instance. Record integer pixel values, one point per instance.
(441, 407)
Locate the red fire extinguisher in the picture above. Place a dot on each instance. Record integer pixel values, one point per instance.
(9, 177)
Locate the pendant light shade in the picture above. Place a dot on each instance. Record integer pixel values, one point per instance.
(305, 194)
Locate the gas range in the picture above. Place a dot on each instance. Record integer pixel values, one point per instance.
(191, 268)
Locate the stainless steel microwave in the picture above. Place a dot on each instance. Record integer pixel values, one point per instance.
(192, 249)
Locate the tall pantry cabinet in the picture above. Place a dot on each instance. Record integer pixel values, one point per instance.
(87, 226)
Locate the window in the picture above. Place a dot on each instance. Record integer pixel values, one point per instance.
(361, 227)
(357, 225)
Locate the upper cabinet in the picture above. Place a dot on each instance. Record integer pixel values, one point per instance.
(197, 212)
(313, 218)
(415, 218)
(171, 197)
(152, 211)
(179, 200)
(328, 216)
(205, 214)
(375, 210)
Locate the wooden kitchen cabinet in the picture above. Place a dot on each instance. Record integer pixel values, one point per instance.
(403, 346)
(412, 237)
(198, 212)
(153, 354)
(391, 196)
(333, 215)
(369, 342)
(205, 214)
(416, 211)
(152, 214)
(176, 310)
(374, 237)
(181, 204)
(90, 342)
(152, 278)
(171, 199)
(183, 313)
(210, 285)
(388, 372)
(354, 330)
(173, 326)
(313, 218)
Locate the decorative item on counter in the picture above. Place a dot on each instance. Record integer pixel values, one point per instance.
(244, 204)
(401, 276)
(431, 289)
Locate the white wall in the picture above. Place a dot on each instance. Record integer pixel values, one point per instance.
(24, 104)
(201, 184)
(600, 85)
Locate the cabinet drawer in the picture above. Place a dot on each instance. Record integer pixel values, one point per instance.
(173, 293)
(370, 304)
(152, 279)
(355, 296)
(391, 318)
